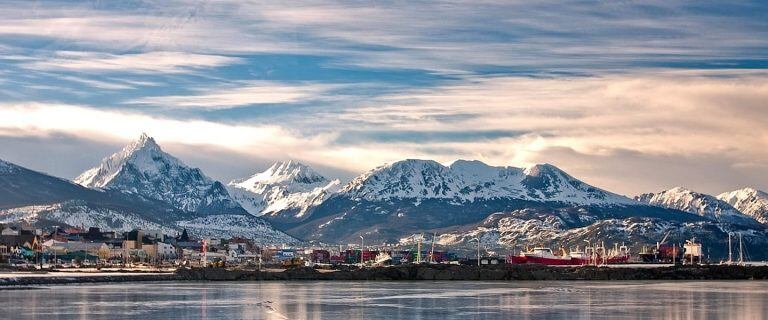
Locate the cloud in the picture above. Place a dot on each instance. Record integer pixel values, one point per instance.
(653, 122)
(439, 37)
(42, 119)
(148, 62)
(43, 122)
(240, 94)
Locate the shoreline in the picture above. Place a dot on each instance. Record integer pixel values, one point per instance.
(484, 273)
(402, 273)
(15, 279)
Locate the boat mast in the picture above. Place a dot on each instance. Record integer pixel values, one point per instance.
(418, 250)
(730, 250)
(478, 250)
(432, 252)
(741, 250)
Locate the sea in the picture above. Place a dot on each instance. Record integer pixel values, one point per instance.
(390, 300)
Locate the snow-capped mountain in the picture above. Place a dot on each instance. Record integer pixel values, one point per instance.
(43, 200)
(287, 190)
(696, 203)
(519, 229)
(144, 168)
(749, 201)
(467, 181)
(416, 195)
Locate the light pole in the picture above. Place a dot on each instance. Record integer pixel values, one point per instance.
(362, 245)
(478, 250)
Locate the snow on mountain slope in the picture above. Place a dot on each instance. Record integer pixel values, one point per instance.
(77, 213)
(514, 231)
(471, 180)
(7, 167)
(749, 201)
(144, 168)
(43, 200)
(232, 225)
(287, 189)
(693, 202)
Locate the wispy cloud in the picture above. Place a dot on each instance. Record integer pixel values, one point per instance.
(444, 36)
(240, 94)
(148, 62)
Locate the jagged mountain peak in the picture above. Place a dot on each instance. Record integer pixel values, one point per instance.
(745, 192)
(542, 169)
(684, 199)
(749, 201)
(143, 168)
(145, 141)
(282, 172)
(286, 189)
(143, 154)
(411, 165)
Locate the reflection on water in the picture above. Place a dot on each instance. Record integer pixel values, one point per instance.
(391, 300)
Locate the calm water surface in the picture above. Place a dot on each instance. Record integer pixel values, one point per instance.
(390, 300)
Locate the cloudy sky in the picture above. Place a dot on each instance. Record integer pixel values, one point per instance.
(632, 96)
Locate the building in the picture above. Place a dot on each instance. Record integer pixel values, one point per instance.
(17, 237)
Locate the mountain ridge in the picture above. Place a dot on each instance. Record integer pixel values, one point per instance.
(749, 201)
(690, 201)
(385, 204)
(286, 190)
(143, 168)
(119, 198)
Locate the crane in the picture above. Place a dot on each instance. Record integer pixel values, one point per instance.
(658, 244)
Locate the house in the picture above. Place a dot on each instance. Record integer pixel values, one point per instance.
(155, 234)
(160, 251)
(97, 249)
(15, 237)
(9, 231)
(95, 234)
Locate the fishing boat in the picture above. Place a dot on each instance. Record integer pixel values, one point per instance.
(545, 256)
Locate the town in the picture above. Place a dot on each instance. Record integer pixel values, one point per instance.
(23, 247)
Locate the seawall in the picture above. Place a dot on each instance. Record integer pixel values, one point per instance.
(504, 272)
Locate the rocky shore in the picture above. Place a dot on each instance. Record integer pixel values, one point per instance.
(460, 272)
(24, 279)
(406, 273)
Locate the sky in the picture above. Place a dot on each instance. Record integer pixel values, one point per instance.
(630, 96)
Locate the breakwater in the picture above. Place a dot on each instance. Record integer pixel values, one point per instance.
(502, 272)
(23, 279)
(408, 273)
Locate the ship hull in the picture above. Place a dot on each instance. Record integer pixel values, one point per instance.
(557, 261)
(554, 261)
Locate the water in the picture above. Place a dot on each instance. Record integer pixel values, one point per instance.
(390, 300)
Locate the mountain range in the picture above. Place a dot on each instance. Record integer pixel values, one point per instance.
(140, 186)
(503, 207)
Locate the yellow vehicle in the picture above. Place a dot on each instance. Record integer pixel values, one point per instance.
(293, 262)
